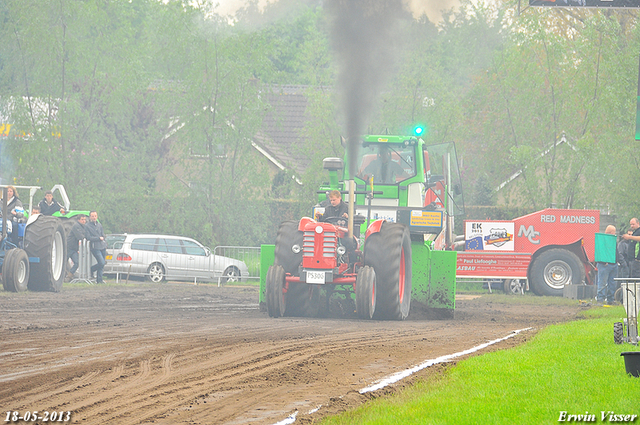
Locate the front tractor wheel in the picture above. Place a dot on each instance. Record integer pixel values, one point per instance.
(15, 270)
(366, 292)
(389, 253)
(276, 301)
(298, 295)
(288, 236)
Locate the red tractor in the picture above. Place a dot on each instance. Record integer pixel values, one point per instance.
(311, 256)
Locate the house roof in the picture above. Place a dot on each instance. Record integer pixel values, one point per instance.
(282, 128)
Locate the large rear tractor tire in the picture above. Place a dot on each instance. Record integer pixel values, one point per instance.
(298, 294)
(366, 292)
(276, 301)
(45, 239)
(554, 269)
(389, 253)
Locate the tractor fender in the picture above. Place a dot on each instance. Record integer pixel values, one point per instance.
(374, 227)
(577, 248)
(303, 222)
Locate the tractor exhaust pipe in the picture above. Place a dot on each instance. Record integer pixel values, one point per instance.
(351, 206)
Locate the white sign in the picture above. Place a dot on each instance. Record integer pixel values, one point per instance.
(489, 236)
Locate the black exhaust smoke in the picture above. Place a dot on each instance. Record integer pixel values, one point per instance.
(363, 37)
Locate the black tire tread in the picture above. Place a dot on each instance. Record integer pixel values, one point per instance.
(382, 251)
(288, 235)
(7, 271)
(38, 241)
(274, 284)
(618, 332)
(20, 256)
(365, 284)
(298, 294)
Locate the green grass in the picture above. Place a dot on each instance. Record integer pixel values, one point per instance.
(573, 367)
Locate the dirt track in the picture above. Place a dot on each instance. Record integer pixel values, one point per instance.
(184, 354)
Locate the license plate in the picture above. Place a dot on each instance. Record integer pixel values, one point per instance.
(315, 277)
(108, 257)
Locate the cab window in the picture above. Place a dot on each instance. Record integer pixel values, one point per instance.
(386, 163)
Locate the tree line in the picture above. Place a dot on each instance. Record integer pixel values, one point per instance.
(146, 110)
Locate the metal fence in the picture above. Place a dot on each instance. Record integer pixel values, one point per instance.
(85, 261)
(250, 255)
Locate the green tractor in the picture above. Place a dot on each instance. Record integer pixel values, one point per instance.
(392, 251)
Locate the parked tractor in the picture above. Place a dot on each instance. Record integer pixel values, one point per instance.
(35, 256)
(403, 208)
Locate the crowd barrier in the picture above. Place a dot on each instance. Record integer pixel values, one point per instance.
(85, 260)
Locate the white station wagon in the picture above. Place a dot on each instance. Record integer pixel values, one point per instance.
(166, 257)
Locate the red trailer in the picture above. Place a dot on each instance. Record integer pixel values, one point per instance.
(542, 251)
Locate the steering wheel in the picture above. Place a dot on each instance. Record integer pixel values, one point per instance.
(335, 220)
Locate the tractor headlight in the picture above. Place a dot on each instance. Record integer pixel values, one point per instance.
(319, 229)
(295, 249)
(341, 250)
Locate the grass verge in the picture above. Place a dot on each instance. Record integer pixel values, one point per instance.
(573, 367)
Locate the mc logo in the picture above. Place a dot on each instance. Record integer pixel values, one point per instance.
(529, 233)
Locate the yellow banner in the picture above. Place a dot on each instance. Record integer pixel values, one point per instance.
(426, 218)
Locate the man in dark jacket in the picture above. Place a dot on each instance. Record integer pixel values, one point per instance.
(76, 235)
(95, 234)
(49, 206)
(634, 252)
(622, 255)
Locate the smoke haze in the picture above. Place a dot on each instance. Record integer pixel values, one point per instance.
(362, 33)
(432, 8)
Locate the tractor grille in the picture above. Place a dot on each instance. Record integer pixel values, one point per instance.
(328, 239)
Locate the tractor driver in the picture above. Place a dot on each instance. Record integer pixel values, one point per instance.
(383, 169)
(336, 209)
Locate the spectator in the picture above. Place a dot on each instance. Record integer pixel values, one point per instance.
(622, 256)
(634, 248)
(16, 212)
(95, 234)
(605, 256)
(77, 235)
(14, 205)
(35, 210)
(49, 206)
(337, 208)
